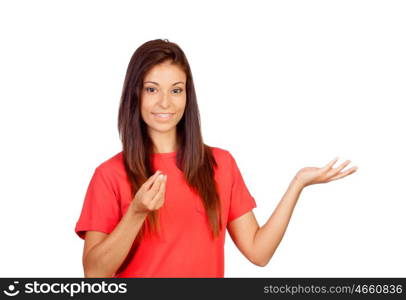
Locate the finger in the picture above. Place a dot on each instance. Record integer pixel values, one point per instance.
(343, 174)
(147, 184)
(330, 164)
(338, 170)
(161, 192)
(155, 187)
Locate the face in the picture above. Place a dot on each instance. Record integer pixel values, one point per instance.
(163, 97)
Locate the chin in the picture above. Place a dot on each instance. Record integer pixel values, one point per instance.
(162, 128)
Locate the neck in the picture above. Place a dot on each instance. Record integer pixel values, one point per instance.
(164, 142)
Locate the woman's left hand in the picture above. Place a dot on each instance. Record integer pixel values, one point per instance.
(311, 175)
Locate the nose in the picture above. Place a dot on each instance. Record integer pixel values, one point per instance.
(164, 101)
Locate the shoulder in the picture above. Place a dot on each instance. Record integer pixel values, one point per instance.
(219, 152)
(112, 166)
(222, 156)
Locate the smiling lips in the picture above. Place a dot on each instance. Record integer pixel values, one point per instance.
(163, 116)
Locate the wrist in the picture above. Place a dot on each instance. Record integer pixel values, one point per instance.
(135, 213)
(296, 182)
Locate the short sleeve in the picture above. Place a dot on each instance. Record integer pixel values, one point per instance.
(241, 200)
(101, 209)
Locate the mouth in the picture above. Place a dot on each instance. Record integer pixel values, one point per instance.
(163, 116)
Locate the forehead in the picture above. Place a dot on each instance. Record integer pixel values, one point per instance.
(165, 72)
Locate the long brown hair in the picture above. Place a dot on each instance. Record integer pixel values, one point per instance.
(193, 157)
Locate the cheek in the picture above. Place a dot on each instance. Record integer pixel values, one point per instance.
(145, 109)
(182, 105)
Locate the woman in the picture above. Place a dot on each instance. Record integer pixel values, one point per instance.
(160, 208)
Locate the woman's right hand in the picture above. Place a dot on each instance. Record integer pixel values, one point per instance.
(151, 195)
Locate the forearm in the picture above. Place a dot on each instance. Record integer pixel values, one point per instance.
(268, 237)
(105, 258)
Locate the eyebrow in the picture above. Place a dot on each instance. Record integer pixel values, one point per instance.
(158, 83)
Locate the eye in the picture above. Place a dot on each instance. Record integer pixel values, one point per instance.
(149, 89)
(179, 90)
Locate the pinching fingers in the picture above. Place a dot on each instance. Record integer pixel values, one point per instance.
(159, 196)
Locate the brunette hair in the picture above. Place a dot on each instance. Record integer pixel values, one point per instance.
(193, 157)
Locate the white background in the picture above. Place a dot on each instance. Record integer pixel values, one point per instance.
(280, 84)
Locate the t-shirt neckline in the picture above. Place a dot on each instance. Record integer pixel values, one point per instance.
(164, 155)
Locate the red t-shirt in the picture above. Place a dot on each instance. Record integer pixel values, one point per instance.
(185, 247)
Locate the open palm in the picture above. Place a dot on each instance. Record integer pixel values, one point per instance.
(313, 175)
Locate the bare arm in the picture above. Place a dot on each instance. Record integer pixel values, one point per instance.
(268, 237)
(259, 244)
(104, 259)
